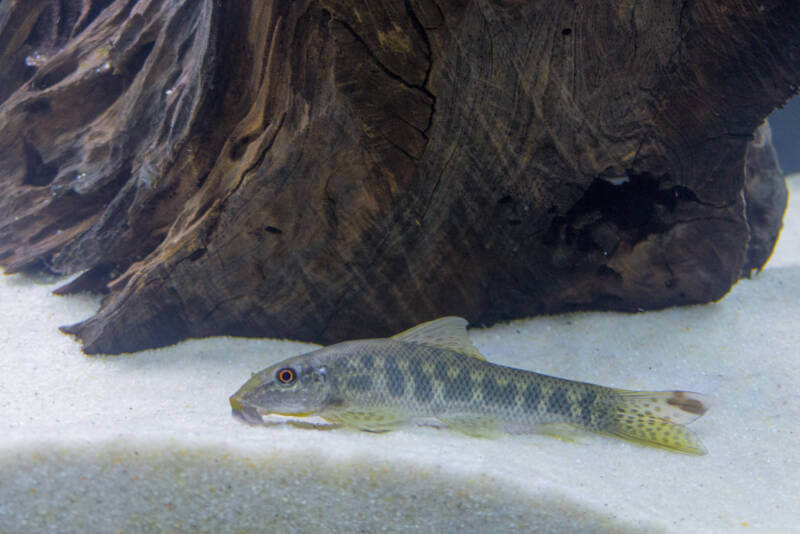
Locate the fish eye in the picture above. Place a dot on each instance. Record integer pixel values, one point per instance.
(286, 375)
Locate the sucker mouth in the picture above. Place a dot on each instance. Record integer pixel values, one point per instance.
(245, 412)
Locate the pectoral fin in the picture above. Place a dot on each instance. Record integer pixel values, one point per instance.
(368, 420)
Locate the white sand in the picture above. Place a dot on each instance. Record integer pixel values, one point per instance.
(146, 442)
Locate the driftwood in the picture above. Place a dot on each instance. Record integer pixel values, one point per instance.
(331, 169)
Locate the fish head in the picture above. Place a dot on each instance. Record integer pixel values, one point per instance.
(297, 386)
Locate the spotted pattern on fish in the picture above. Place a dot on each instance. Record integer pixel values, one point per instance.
(379, 384)
(557, 402)
(395, 381)
(441, 371)
(531, 397)
(586, 403)
(423, 391)
(360, 382)
(495, 393)
(368, 362)
(438, 381)
(460, 387)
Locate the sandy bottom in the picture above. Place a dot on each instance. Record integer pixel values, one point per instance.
(145, 442)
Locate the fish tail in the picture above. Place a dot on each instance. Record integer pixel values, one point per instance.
(656, 418)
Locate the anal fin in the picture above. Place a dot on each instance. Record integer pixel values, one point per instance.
(561, 431)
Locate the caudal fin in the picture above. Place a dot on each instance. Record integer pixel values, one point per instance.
(656, 418)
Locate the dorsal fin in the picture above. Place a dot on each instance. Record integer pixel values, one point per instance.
(445, 333)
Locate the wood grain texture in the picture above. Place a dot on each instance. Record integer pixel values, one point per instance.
(331, 169)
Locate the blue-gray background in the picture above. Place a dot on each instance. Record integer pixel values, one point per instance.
(785, 125)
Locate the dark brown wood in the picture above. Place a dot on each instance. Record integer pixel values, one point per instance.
(330, 169)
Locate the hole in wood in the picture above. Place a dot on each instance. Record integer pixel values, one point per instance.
(37, 172)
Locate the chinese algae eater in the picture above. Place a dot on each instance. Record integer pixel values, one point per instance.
(434, 371)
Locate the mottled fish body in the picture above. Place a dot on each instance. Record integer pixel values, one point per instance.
(433, 371)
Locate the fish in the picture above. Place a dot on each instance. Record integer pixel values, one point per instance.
(434, 372)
